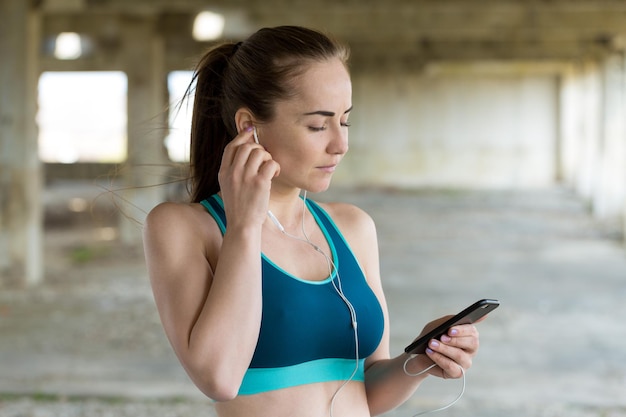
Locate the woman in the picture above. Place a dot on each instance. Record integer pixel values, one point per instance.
(273, 303)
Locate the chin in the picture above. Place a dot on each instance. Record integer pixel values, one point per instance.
(317, 188)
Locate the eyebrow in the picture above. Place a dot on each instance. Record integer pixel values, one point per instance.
(326, 113)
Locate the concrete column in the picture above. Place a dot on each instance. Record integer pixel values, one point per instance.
(610, 187)
(144, 58)
(622, 171)
(591, 129)
(20, 169)
(570, 124)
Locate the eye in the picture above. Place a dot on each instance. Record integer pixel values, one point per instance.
(317, 129)
(346, 124)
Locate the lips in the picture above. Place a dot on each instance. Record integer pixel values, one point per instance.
(328, 168)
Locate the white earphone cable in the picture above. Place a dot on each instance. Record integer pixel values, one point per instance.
(426, 370)
(336, 285)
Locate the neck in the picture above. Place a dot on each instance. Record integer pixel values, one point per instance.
(287, 213)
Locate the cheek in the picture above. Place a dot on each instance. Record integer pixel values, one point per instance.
(290, 156)
(287, 145)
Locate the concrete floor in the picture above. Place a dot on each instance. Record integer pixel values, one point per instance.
(88, 342)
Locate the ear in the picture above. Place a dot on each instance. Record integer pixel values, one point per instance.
(243, 119)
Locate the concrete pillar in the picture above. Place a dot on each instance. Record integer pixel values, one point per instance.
(623, 139)
(20, 169)
(144, 59)
(570, 125)
(593, 135)
(610, 187)
(591, 128)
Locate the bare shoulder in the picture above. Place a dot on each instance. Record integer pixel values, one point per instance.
(180, 226)
(355, 223)
(173, 216)
(168, 212)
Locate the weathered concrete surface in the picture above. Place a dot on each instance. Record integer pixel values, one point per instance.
(555, 347)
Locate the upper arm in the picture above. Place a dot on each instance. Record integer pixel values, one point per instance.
(179, 270)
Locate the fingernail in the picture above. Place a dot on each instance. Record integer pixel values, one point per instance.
(429, 350)
(434, 343)
(249, 128)
(454, 332)
(445, 339)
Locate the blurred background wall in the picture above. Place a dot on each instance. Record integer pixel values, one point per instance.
(450, 94)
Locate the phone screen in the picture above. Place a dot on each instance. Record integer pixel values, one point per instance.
(470, 315)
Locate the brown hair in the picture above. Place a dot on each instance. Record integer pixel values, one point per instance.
(254, 74)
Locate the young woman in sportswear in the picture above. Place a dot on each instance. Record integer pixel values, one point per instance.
(273, 303)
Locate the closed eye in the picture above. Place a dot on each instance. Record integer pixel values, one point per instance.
(327, 114)
(322, 128)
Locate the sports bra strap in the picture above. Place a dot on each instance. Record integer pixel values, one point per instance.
(213, 205)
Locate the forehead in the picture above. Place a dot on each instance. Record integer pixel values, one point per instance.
(323, 85)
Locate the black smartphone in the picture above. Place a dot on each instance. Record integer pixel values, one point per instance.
(469, 315)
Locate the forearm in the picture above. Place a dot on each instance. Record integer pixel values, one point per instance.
(388, 385)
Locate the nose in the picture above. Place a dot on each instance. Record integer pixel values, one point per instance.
(338, 144)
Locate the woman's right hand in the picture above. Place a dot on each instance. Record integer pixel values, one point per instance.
(245, 178)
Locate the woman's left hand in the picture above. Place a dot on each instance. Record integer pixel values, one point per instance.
(455, 349)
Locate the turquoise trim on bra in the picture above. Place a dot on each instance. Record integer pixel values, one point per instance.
(338, 232)
(330, 242)
(259, 380)
(216, 216)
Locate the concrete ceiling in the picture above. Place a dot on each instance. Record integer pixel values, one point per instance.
(405, 32)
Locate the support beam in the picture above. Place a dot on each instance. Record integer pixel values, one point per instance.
(20, 170)
(610, 188)
(143, 52)
(396, 32)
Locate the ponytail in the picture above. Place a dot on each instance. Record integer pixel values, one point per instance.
(208, 132)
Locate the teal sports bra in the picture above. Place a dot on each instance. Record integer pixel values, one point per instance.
(306, 334)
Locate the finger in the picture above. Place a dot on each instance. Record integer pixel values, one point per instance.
(462, 330)
(256, 156)
(231, 148)
(249, 155)
(270, 169)
(466, 340)
(468, 344)
(261, 166)
(449, 366)
(450, 353)
(244, 136)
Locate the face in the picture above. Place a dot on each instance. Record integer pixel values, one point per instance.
(308, 135)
